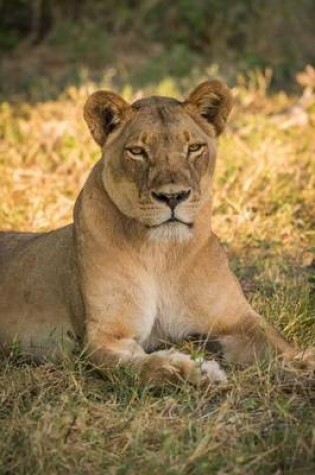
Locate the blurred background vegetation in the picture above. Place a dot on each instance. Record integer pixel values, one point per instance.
(47, 45)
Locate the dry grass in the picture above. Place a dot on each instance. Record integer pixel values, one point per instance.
(66, 419)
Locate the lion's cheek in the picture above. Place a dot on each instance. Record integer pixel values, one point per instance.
(205, 189)
(124, 195)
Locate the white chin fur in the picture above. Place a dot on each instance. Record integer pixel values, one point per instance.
(170, 232)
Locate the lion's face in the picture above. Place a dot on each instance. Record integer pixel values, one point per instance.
(159, 154)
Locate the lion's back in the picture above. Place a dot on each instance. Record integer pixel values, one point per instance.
(39, 290)
(11, 243)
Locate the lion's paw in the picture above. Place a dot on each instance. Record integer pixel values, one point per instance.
(171, 365)
(212, 371)
(303, 361)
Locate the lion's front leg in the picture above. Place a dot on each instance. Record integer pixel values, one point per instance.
(107, 350)
(253, 338)
(218, 308)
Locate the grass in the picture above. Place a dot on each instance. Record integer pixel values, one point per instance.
(59, 419)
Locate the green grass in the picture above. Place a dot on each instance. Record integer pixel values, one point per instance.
(68, 420)
(59, 419)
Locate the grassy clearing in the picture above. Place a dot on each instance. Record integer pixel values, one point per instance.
(66, 419)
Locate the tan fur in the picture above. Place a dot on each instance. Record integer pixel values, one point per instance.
(122, 277)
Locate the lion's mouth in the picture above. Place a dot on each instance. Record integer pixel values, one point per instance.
(173, 219)
(170, 221)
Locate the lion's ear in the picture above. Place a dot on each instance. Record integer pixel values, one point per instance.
(212, 100)
(103, 112)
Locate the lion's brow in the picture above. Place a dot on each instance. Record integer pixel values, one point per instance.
(162, 114)
(166, 116)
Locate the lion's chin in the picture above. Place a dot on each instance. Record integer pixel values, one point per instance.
(171, 231)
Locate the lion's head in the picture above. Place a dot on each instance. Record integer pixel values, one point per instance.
(159, 154)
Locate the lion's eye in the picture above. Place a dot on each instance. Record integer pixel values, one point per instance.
(136, 152)
(195, 147)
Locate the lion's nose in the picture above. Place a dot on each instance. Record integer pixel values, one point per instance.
(171, 199)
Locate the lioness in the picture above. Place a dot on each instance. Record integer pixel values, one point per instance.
(140, 264)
